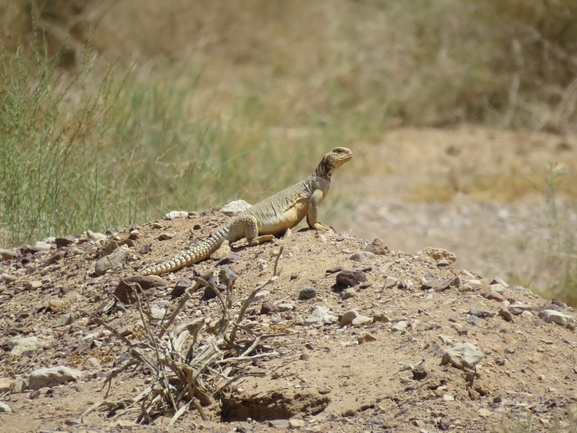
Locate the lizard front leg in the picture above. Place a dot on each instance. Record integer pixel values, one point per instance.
(313, 212)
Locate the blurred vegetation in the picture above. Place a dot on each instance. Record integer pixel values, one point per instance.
(116, 112)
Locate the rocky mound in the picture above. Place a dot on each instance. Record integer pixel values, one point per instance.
(349, 337)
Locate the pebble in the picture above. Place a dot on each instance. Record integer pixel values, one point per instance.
(320, 315)
(351, 278)
(261, 296)
(352, 317)
(365, 338)
(506, 314)
(406, 285)
(401, 325)
(18, 346)
(8, 254)
(447, 397)
(148, 284)
(32, 285)
(420, 372)
(445, 339)
(285, 306)
(6, 385)
(308, 293)
(176, 214)
(40, 247)
(95, 236)
(111, 261)
(552, 316)
(235, 207)
(165, 236)
(473, 320)
(295, 423)
(480, 313)
(378, 247)
(44, 377)
(441, 255)
(92, 364)
(518, 308)
(348, 293)
(4, 407)
(495, 296)
(462, 355)
(390, 282)
(360, 256)
(379, 316)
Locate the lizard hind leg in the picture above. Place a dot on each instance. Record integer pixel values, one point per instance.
(251, 232)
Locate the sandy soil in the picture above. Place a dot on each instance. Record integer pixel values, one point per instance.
(384, 373)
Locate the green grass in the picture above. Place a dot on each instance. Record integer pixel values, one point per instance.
(81, 152)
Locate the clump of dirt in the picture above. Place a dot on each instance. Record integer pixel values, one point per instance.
(415, 344)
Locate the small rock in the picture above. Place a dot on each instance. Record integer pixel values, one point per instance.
(479, 313)
(461, 330)
(18, 346)
(400, 326)
(180, 287)
(92, 364)
(146, 284)
(111, 261)
(4, 407)
(235, 207)
(462, 355)
(40, 247)
(285, 306)
(348, 293)
(8, 254)
(420, 372)
(260, 296)
(378, 247)
(320, 315)
(495, 296)
(267, 308)
(390, 282)
(308, 293)
(351, 278)
(552, 316)
(379, 316)
(65, 320)
(365, 338)
(6, 385)
(499, 280)
(157, 312)
(176, 214)
(33, 285)
(44, 377)
(95, 236)
(406, 285)
(444, 424)
(499, 288)
(518, 308)
(278, 423)
(134, 234)
(447, 397)
(165, 236)
(500, 361)
(445, 339)
(441, 255)
(485, 413)
(348, 317)
(473, 320)
(506, 314)
(360, 256)
(295, 423)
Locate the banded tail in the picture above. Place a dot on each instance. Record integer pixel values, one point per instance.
(190, 256)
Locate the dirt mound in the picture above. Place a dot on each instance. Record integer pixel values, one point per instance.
(416, 344)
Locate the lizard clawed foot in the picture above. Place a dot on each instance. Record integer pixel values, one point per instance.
(320, 227)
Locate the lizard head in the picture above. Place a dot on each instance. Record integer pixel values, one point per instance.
(333, 160)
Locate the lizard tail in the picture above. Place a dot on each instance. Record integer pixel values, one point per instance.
(190, 256)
